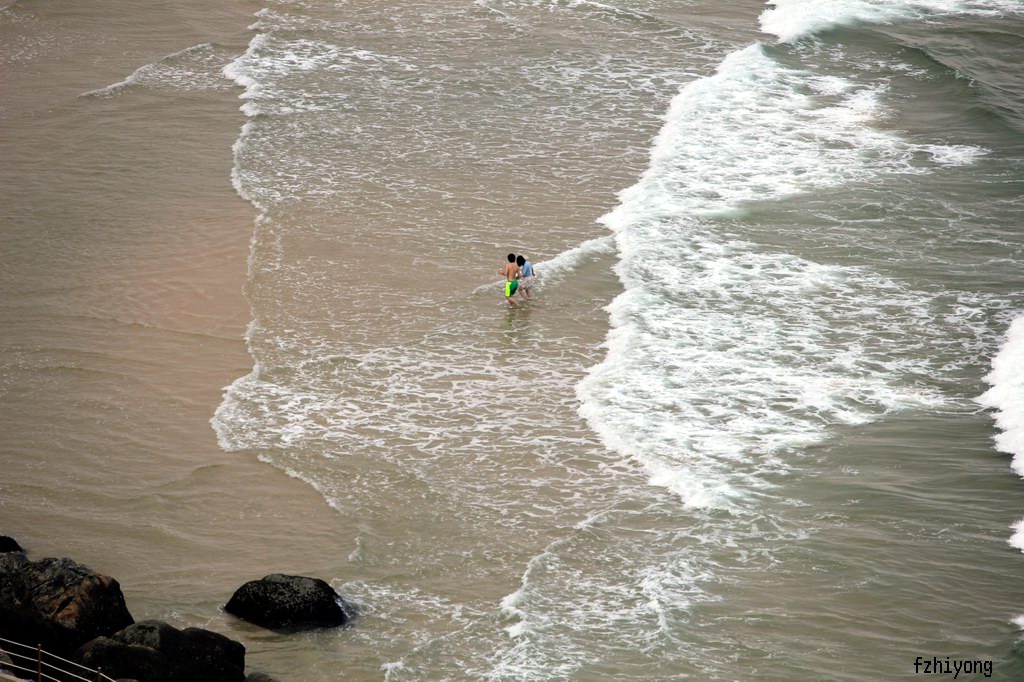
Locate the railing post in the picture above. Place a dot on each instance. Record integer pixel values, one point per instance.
(39, 662)
(99, 674)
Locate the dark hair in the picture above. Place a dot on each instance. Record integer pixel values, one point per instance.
(520, 260)
(511, 258)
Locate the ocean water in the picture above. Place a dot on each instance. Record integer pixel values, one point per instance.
(762, 420)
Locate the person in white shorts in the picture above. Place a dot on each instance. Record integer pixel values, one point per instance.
(525, 276)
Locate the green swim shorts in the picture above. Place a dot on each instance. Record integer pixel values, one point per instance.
(510, 287)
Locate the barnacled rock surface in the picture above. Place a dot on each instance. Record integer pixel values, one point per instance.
(58, 603)
(289, 602)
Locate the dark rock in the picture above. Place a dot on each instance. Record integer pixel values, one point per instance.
(57, 603)
(211, 656)
(259, 677)
(11, 563)
(288, 602)
(121, 660)
(9, 544)
(157, 652)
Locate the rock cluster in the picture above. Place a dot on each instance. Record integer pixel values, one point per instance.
(80, 615)
(156, 652)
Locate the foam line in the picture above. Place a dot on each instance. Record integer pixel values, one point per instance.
(561, 266)
(1017, 539)
(792, 20)
(708, 381)
(146, 71)
(229, 404)
(1006, 397)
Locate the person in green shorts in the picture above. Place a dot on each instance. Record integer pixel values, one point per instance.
(511, 273)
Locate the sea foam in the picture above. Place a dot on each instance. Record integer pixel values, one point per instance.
(723, 356)
(1017, 539)
(792, 20)
(1006, 397)
(194, 68)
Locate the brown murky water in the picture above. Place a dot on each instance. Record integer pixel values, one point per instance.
(772, 468)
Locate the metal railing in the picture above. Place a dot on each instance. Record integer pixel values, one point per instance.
(37, 663)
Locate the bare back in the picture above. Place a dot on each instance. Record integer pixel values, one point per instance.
(510, 271)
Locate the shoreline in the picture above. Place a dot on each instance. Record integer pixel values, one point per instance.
(122, 339)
